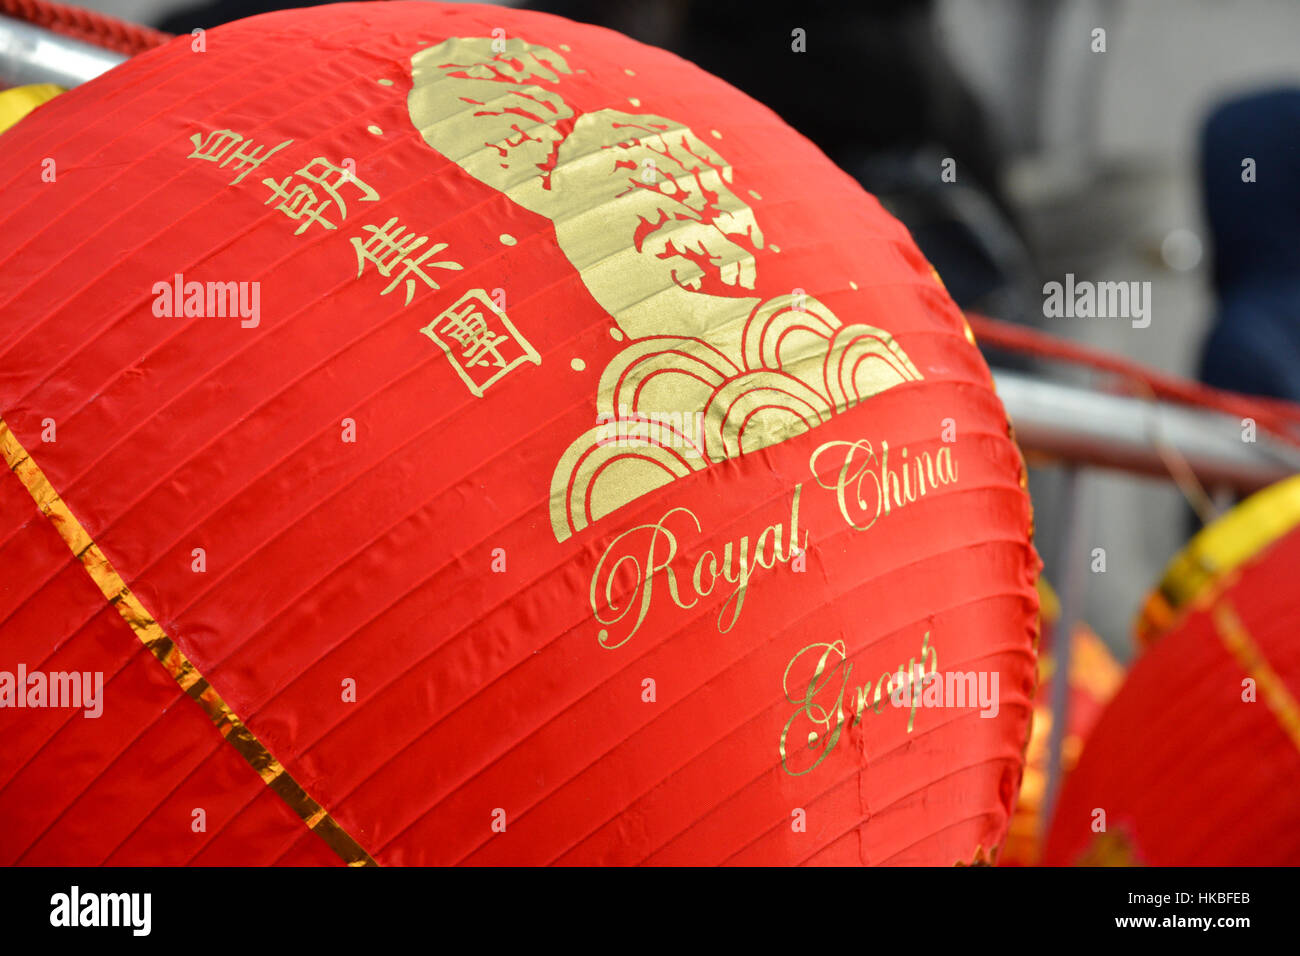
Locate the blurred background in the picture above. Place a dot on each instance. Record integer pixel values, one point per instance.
(1069, 160)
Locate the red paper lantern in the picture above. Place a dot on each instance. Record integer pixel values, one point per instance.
(520, 445)
(1194, 761)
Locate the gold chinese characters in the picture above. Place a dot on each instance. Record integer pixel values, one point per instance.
(482, 345)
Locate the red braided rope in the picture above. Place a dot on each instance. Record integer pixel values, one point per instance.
(1279, 417)
(86, 25)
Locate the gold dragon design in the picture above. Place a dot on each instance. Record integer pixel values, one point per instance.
(643, 209)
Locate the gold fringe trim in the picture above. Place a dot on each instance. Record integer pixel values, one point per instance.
(981, 858)
(172, 658)
(1110, 848)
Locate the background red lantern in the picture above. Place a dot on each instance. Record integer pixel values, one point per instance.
(339, 366)
(1193, 761)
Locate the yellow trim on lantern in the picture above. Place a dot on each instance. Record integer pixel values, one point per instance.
(17, 102)
(171, 657)
(1217, 550)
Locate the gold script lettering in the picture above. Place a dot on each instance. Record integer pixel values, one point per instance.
(865, 486)
(829, 664)
(621, 565)
(611, 562)
(817, 723)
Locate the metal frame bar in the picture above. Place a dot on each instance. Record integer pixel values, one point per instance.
(32, 54)
(1084, 427)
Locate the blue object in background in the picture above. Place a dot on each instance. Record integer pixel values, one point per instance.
(1254, 345)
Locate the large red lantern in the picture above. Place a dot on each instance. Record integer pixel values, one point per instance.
(518, 445)
(1194, 761)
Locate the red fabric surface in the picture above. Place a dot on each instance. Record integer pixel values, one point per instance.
(120, 788)
(372, 560)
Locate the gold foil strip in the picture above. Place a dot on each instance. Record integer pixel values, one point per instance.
(1251, 657)
(172, 658)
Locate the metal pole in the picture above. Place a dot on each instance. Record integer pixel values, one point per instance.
(1072, 565)
(1080, 426)
(32, 54)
